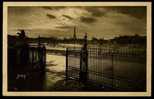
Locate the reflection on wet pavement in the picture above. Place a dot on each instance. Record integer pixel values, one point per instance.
(54, 70)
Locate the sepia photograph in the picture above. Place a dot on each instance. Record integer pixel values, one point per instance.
(77, 48)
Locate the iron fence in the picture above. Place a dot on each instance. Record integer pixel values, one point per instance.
(73, 63)
(119, 69)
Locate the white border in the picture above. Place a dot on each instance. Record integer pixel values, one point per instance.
(149, 20)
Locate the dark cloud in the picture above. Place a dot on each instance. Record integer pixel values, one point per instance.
(138, 12)
(20, 10)
(87, 19)
(48, 8)
(68, 17)
(96, 11)
(50, 16)
(135, 11)
(53, 8)
(64, 27)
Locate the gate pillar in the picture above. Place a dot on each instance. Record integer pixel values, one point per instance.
(84, 61)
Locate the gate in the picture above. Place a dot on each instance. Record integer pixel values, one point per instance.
(116, 69)
(26, 66)
(77, 68)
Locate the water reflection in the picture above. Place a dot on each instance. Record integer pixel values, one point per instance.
(55, 67)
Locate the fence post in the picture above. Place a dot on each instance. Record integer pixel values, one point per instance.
(32, 55)
(44, 57)
(112, 54)
(84, 62)
(66, 71)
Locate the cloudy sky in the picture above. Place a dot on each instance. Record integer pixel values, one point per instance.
(100, 22)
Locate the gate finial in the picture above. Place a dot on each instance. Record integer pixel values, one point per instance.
(85, 42)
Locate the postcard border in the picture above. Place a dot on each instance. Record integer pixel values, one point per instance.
(148, 65)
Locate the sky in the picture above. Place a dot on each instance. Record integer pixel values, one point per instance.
(59, 21)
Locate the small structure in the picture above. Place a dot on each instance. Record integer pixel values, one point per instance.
(26, 65)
